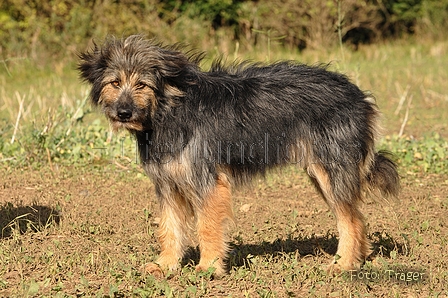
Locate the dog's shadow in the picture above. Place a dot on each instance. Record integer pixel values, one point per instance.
(22, 219)
(241, 254)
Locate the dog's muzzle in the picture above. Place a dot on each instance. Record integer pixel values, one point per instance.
(124, 114)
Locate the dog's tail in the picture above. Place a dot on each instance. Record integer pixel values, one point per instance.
(383, 175)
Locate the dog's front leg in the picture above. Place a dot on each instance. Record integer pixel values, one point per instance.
(175, 222)
(212, 218)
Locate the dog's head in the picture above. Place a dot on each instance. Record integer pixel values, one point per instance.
(132, 78)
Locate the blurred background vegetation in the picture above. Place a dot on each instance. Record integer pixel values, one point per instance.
(41, 29)
(395, 48)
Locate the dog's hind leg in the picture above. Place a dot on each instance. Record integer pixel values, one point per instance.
(212, 219)
(353, 245)
(173, 232)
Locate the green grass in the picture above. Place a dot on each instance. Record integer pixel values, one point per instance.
(428, 154)
(57, 124)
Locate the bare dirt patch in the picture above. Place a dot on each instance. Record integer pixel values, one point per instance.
(85, 231)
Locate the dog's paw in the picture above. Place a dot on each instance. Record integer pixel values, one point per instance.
(214, 272)
(338, 266)
(153, 269)
(334, 269)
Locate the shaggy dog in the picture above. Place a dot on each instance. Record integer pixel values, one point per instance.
(199, 132)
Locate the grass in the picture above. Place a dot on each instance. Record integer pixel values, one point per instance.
(55, 123)
(78, 215)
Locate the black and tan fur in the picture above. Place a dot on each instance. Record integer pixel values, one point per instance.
(199, 132)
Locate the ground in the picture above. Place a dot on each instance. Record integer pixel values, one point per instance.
(86, 230)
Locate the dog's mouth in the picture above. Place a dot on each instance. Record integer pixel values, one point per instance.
(129, 124)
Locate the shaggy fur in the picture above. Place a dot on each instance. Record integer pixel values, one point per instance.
(200, 132)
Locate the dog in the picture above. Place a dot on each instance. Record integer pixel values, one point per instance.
(200, 133)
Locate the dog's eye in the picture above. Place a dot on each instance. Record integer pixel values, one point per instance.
(116, 84)
(140, 85)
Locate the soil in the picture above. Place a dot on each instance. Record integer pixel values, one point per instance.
(71, 229)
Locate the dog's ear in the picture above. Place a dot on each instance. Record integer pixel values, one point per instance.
(172, 65)
(175, 70)
(92, 65)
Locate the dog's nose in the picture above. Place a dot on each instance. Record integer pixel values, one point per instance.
(124, 114)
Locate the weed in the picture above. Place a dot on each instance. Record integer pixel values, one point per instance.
(428, 154)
